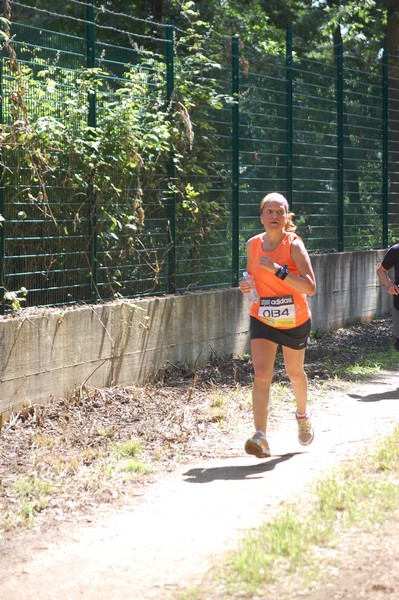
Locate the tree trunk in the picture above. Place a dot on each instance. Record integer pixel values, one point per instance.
(157, 10)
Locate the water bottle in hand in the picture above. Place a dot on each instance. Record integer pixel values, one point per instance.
(253, 294)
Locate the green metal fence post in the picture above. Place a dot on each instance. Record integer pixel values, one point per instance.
(289, 124)
(385, 144)
(92, 122)
(235, 172)
(2, 196)
(170, 84)
(340, 144)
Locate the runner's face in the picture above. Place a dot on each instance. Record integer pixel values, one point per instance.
(274, 215)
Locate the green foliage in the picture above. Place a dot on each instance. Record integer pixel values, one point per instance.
(354, 496)
(359, 21)
(15, 299)
(32, 494)
(104, 156)
(117, 172)
(129, 448)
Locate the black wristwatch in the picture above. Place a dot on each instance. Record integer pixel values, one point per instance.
(282, 272)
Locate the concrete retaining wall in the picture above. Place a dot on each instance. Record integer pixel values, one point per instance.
(46, 353)
(348, 290)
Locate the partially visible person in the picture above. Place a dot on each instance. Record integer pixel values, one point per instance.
(391, 260)
(280, 267)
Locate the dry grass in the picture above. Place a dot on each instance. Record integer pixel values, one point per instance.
(64, 459)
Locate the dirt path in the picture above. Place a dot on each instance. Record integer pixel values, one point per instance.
(169, 539)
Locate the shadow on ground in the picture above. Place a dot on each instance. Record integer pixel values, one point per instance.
(199, 475)
(389, 395)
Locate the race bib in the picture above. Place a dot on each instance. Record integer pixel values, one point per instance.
(277, 311)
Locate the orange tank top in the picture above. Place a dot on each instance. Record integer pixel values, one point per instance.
(279, 304)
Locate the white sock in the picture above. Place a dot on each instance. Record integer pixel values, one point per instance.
(301, 415)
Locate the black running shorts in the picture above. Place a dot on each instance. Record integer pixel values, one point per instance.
(295, 338)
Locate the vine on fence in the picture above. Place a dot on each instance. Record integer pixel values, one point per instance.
(51, 149)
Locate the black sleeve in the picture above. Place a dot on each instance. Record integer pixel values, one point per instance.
(390, 258)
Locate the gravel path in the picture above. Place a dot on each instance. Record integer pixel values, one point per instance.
(167, 541)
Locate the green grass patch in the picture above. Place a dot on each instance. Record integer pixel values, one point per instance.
(127, 454)
(282, 544)
(361, 493)
(135, 466)
(31, 487)
(132, 447)
(32, 494)
(371, 364)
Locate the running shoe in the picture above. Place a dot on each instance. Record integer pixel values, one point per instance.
(257, 446)
(305, 429)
